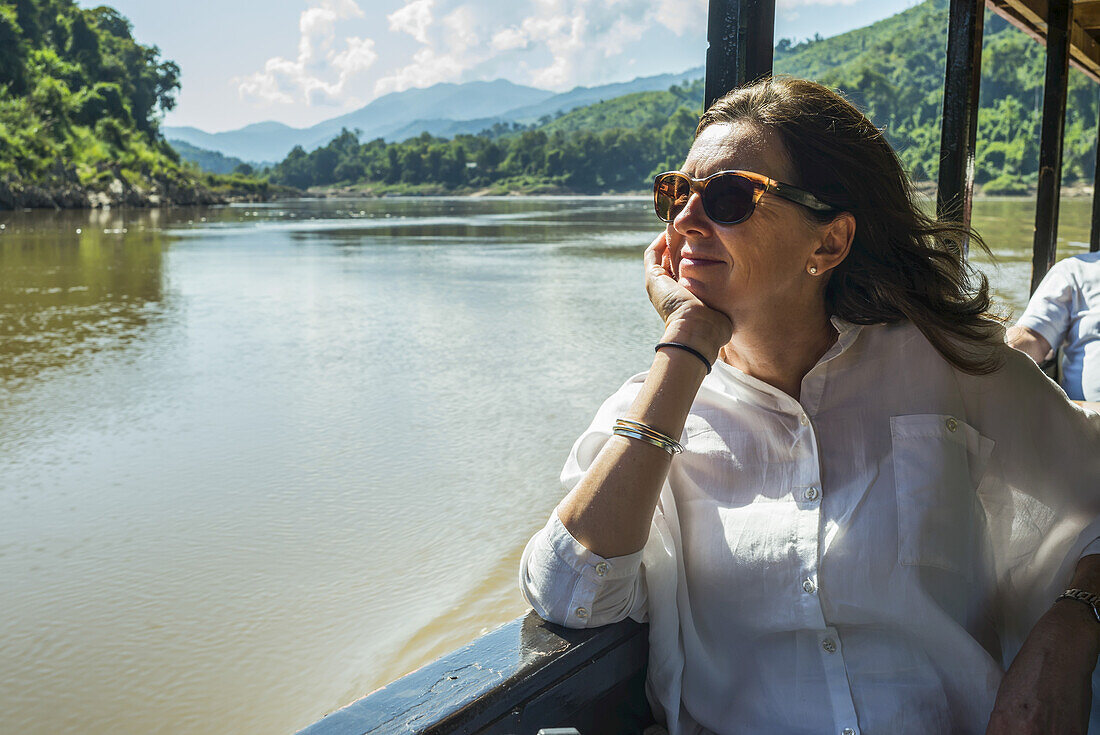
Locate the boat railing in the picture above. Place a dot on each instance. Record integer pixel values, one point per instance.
(527, 675)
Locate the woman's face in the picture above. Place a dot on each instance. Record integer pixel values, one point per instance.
(759, 263)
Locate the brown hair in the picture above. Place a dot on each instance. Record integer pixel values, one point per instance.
(902, 264)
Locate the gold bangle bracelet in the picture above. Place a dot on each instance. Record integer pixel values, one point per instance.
(637, 430)
(620, 431)
(646, 429)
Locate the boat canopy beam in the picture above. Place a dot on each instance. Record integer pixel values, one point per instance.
(741, 36)
(1094, 235)
(1059, 19)
(959, 131)
(1030, 16)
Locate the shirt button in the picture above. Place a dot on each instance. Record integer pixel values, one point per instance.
(812, 494)
(848, 731)
(809, 586)
(804, 420)
(582, 613)
(952, 424)
(601, 568)
(829, 645)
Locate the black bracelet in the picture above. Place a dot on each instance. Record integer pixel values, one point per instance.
(686, 349)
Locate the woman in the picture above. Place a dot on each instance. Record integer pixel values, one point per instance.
(878, 503)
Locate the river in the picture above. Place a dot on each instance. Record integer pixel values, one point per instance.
(258, 460)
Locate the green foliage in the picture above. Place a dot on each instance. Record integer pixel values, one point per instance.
(103, 100)
(641, 110)
(13, 52)
(1007, 184)
(893, 70)
(81, 100)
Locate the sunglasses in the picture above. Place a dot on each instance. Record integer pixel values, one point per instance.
(729, 197)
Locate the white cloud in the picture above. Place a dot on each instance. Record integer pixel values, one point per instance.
(582, 35)
(454, 46)
(358, 56)
(413, 18)
(320, 74)
(509, 38)
(681, 18)
(555, 44)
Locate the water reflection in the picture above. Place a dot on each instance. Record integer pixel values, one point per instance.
(87, 281)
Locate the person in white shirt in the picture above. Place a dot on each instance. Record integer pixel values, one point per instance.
(840, 501)
(1064, 312)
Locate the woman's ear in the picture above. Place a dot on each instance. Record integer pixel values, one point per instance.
(836, 241)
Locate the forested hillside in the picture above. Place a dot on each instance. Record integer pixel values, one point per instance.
(211, 161)
(893, 70)
(80, 105)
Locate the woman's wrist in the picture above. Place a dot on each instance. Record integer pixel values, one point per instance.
(1078, 627)
(704, 334)
(1080, 615)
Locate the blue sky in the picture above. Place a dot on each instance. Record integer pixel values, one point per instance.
(303, 61)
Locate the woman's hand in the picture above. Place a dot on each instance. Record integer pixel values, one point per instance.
(687, 319)
(1048, 687)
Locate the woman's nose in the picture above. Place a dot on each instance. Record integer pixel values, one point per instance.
(692, 217)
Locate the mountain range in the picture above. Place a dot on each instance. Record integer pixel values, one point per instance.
(443, 110)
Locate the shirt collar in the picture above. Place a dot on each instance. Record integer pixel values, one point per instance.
(733, 381)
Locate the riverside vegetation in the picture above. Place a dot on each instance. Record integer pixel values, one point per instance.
(80, 107)
(81, 100)
(892, 69)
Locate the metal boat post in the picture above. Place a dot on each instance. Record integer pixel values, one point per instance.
(961, 84)
(1059, 18)
(740, 34)
(1094, 235)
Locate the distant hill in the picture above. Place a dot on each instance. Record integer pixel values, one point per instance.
(209, 161)
(892, 70)
(648, 110)
(270, 141)
(264, 141)
(580, 96)
(443, 110)
(390, 113)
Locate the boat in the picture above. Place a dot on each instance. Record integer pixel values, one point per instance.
(529, 675)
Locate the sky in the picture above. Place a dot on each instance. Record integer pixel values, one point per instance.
(303, 61)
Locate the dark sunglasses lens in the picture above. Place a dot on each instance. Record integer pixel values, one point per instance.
(728, 199)
(670, 194)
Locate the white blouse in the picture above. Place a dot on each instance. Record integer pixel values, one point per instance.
(867, 560)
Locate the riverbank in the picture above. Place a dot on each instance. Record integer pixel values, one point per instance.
(1075, 190)
(117, 191)
(218, 189)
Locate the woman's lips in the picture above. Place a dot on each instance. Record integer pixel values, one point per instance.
(698, 262)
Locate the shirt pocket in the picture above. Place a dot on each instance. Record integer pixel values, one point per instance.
(938, 463)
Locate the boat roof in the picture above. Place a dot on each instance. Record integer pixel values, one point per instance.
(1031, 17)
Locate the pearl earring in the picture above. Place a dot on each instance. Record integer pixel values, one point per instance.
(813, 270)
